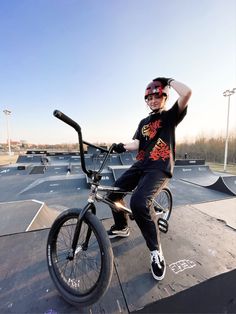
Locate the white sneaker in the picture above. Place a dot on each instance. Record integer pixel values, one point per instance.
(114, 232)
(158, 265)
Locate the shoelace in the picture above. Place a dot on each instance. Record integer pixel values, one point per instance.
(156, 258)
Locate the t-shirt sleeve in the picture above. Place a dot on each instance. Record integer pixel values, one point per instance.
(137, 134)
(175, 116)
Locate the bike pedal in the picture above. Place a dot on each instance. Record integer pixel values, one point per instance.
(131, 216)
(163, 225)
(158, 210)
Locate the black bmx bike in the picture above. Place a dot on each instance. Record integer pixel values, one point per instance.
(79, 252)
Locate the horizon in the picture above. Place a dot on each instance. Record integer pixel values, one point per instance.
(199, 137)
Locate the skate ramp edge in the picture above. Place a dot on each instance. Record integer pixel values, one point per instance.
(203, 176)
(223, 210)
(223, 185)
(44, 218)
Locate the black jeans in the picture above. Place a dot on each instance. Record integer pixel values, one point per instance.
(147, 183)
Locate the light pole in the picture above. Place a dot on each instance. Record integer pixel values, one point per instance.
(228, 93)
(7, 113)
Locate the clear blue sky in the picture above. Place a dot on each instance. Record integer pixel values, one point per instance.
(92, 59)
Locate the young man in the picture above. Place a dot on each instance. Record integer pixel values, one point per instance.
(155, 142)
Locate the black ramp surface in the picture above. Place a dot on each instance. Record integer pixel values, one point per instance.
(207, 297)
(114, 160)
(56, 184)
(189, 162)
(16, 216)
(222, 186)
(107, 178)
(44, 218)
(187, 193)
(29, 159)
(196, 248)
(118, 170)
(14, 170)
(76, 169)
(200, 260)
(230, 182)
(196, 174)
(126, 159)
(27, 288)
(203, 176)
(56, 170)
(183, 192)
(38, 170)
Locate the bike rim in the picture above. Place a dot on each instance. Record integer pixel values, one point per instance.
(81, 274)
(163, 202)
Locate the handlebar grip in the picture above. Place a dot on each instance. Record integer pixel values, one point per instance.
(61, 116)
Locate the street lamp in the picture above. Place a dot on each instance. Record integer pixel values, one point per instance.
(228, 93)
(7, 113)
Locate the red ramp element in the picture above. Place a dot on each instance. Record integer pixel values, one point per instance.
(203, 176)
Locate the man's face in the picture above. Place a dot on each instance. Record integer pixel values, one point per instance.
(156, 101)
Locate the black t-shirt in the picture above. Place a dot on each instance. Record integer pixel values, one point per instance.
(156, 134)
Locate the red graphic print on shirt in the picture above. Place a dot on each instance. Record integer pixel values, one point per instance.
(160, 151)
(140, 155)
(149, 130)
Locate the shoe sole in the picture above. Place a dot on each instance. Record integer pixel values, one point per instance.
(118, 236)
(161, 277)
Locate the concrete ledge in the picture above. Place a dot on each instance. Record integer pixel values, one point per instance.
(224, 210)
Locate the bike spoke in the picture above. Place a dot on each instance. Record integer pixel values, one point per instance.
(82, 272)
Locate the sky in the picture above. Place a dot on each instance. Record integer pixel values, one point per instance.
(92, 59)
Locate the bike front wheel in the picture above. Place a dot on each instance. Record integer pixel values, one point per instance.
(84, 279)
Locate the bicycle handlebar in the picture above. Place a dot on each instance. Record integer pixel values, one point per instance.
(63, 117)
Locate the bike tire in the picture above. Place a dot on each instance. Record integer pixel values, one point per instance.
(72, 278)
(165, 199)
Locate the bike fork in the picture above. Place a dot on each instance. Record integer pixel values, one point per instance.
(84, 246)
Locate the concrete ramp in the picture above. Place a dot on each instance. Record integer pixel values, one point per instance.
(126, 159)
(195, 174)
(230, 182)
(14, 170)
(107, 178)
(222, 210)
(225, 185)
(38, 170)
(203, 176)
(200, 255)
(29, 159)
(27, 215)
(44, 218)
(118, 170)
(56, 184)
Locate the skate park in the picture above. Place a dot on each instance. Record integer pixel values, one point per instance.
(199, 246)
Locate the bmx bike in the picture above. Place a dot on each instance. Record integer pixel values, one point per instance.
(79, 252)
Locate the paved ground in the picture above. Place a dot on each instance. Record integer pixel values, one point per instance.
(200, 256)
(199, 249)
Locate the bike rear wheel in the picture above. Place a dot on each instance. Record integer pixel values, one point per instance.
(84, 279)
(163, 203)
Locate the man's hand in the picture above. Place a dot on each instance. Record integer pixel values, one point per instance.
(164, 81)
(119, 148)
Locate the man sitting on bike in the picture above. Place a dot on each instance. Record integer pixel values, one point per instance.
(155, 142)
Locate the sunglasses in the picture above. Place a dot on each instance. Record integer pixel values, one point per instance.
(156, 96)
